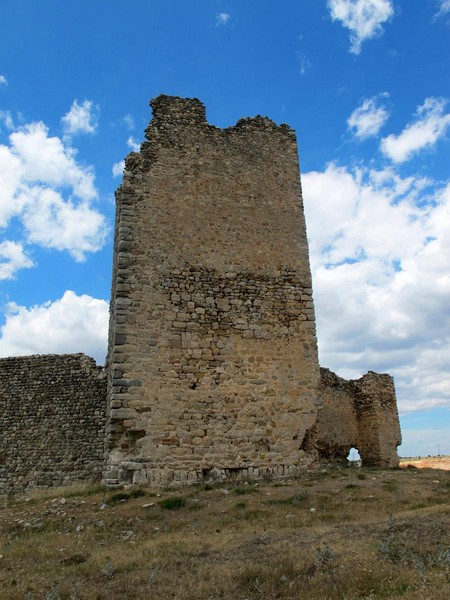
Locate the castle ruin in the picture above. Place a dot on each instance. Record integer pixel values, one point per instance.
(212, 369)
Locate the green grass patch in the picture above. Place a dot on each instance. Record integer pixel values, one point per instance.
(243, 491)
(389, 486)
(173, 503)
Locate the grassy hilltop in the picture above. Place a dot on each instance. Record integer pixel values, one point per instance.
(338, 534)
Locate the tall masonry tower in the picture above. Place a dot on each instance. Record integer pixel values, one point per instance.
(213, 367)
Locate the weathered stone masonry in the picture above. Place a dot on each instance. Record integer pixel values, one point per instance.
(212, 338)
(212, 369)
(360, 414)
(52, 420)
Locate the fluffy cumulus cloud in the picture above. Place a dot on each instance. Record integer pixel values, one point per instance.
(70, 324)
(431, 123)
(53, 222)
(368, 118)
(81, 118)
(46, 160)
(380, 255)
(12, 258)
(3, 80)
(222, 18)
(364, 18)
(50, 195)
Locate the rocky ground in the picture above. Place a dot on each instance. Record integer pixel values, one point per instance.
(348, 534)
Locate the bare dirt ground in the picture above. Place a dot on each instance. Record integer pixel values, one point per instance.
(431, 462)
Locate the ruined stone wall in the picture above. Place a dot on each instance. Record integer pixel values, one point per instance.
(337, 424)
(213, 368)
(52, 420)
(360, 414)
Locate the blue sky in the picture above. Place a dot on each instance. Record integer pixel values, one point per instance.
(366, 85)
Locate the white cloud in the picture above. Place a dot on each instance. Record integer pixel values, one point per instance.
(380, 256)
(133, 144)
(46, 160)
(444, 8)
(6, 119)
(52, 222)
(117, 168)
(3, 80)
(128, 121)
(364, 18)
(12, 258)
(68, 325)
(222, 18)
(49, 192)
(430, 125)
(368, 118)
(81, 118)
(11, 170)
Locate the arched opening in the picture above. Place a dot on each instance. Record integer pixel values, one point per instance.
(354, 458)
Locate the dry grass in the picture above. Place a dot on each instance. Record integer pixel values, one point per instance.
(353, 534)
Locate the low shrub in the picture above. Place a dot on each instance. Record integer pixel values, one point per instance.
(173, 503)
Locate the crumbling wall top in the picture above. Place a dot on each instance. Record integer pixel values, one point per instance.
(169, 111)
(172, 109)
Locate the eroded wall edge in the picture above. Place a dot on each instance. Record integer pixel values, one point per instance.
(361, 414)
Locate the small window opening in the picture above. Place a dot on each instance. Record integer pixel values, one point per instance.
(354, 458)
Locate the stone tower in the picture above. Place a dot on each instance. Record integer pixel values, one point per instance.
(212, 368)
